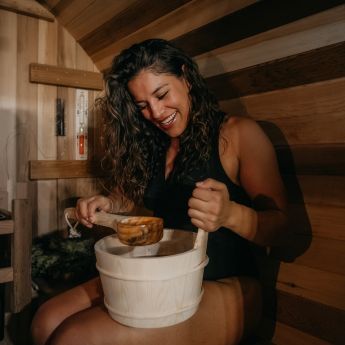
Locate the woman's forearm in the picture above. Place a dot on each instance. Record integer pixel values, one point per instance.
(266, 228)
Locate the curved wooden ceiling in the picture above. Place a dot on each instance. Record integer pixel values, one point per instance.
(105, 27)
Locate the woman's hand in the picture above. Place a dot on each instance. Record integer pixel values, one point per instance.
(87, 207)
(210, 205)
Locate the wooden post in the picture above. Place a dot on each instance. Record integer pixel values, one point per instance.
(21, 255)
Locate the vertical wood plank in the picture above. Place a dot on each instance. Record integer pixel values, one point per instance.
(26, 111)
(8, 72)
(21, 252)
(46, 135)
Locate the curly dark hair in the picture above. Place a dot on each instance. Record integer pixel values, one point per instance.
(133, 145)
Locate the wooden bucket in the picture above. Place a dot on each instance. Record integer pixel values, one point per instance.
(152, 286)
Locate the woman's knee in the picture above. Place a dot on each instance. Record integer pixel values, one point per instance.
(44, 323)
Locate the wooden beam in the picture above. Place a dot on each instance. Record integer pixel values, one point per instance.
(50, 169)
(136, 16)
(6, 227)
(313, 66)
(27, 7)
(252, 20)
(69, 77)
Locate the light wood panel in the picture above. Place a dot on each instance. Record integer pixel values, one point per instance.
(27, 7)
(312, 114)
(259, 17)
(46, 131)
(8, 71)
(320, 30)
(313, 284)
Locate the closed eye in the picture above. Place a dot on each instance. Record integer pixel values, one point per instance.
(162, 95)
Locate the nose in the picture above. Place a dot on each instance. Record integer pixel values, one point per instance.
(157, 109)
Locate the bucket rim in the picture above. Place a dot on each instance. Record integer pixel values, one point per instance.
(153, 258)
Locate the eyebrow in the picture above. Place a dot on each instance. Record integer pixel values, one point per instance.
(156, 90)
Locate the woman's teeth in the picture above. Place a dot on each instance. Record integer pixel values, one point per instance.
(169, 120)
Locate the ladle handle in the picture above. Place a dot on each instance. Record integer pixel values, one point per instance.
(101, 218)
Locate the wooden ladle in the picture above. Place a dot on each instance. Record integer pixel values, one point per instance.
(132, 231)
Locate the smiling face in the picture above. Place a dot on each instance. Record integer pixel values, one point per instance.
(163, 99)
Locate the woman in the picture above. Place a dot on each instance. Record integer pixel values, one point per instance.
(170, 148)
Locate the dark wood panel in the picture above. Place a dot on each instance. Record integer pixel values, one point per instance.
(311, 317)
(321, 159)
(317, 65)
(61, 76)
(133, 18)
(252, 20)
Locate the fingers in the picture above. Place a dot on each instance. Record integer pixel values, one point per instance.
(87, 207)
(211, 184)
(208, 204)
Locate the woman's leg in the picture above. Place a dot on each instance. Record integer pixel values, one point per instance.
(53, 312)
(229, 309)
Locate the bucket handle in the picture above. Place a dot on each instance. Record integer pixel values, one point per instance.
(201, 239)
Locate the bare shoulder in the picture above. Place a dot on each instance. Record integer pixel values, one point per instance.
(242, 131)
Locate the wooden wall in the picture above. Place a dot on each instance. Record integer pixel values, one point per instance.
(27, 113)
(281, 63)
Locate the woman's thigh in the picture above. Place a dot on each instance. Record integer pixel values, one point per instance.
(54, 312)
(221, 319)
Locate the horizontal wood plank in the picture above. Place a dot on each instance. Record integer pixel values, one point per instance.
(259, 17)
(309, 67)
(321, 321)
(61, 76)
(322, 221)
(62, 169)
(6, 227)
(188, 17)
(322, 253)
(322, 159)
(27, 7)
(6, 275)
(286, 335)
(306, 160)
(314, 32)
(135, 16)
(317, 285)
(316, 191)
(308, 114)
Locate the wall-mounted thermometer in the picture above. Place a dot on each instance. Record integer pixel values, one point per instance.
(81, 124)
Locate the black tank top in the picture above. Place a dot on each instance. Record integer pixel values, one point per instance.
(229, 254)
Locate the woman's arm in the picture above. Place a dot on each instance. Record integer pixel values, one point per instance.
(255, 168)
(113, 203)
